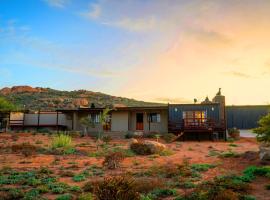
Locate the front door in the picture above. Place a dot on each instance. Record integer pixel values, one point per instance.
(139, 121)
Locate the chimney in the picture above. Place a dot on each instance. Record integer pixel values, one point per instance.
(219, 98)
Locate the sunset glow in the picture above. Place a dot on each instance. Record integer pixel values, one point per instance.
(161, 51)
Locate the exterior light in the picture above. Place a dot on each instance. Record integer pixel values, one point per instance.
(175, 110)
(213, 108)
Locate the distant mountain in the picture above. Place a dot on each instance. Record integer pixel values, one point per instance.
(49, 99)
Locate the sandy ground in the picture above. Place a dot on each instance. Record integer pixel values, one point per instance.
(195, 152)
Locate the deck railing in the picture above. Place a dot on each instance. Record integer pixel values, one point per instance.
(196, 124)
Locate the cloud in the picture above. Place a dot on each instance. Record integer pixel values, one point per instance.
(239, 74)
(137, 25)
(209, 36)
(57, 3)
(93, 13)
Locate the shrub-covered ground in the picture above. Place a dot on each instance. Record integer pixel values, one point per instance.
(41, 166)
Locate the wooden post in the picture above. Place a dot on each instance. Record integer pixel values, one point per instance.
(57, 126)
(72, 122)
(38, 119)
(23, 119)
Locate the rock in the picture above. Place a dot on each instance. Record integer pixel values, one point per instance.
(147, 147)
(264, 152)
(21, 89)
(81, 102)
(132, 140)
(155, 147)
(138, 133)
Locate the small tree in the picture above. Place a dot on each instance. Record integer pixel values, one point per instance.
(263, 131)
(103, 119)
(86, 123)
(6, 106)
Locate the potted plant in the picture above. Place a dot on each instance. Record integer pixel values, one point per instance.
(263, 136)
(234, 133)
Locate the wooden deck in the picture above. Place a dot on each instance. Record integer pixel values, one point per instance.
(197, 127)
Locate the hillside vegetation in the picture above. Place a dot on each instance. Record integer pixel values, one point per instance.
(49, 99)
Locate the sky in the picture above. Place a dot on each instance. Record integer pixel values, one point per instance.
(152, 50)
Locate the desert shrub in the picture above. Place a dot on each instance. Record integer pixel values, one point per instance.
(141, 148)
(113, 160)
(25, 148)
(161, 193)
(66, 173)
(89, 186)
(187, 185)
(69, 151)
(168, 137)
(221, 188)
(58, 187)
(229, 154)
(166, 152)
(225, 195)
(106, 139)
(251, 172)
(79, 178)
(61, 140)
(39, 142)
(14, 193)
(44, 170)
(233, 145)
(32, 194)
(247, 197)
(86, 196)
(75, 188)
(201, 167)
(116, 188)
(234, 133)
(145, 184)
(14, 137)
(263, 131)
(64, 197)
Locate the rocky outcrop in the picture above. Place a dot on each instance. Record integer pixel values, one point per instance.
(80, 102)
(21, 89)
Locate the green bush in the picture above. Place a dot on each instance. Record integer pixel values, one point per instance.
(79, 178)
(247, 197)
(86, 196)
(61, 140)
(201, 167)
(161, 193)
(229, 154)
(263, 131)
(64, 197)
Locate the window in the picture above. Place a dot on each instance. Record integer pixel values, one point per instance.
(154, 117)
(95, 118)
(194, 117)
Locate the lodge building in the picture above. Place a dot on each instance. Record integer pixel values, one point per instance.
(201, 120)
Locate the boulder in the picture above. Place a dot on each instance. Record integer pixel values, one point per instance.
(264, 152)
(155, 146)
(147, 147)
